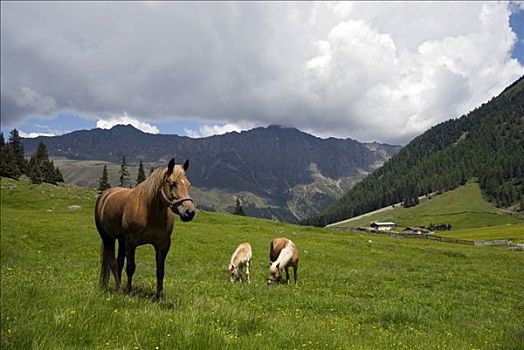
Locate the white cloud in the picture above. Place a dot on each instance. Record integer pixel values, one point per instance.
(398, 92)
(210, 130)
(32, 135)
(381, 71)
(125, 119)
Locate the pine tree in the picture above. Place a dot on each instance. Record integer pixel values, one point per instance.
(18, 151)
(58, 175)
(49, 172)
(124, 174)
(40, 168)
(34, 172)
(141, 174)
(151, 170)
(238, 207)
(104, 181)
(8, 165)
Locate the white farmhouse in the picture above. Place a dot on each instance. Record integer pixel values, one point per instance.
(383, 226)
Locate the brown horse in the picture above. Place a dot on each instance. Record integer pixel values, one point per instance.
(142, 215)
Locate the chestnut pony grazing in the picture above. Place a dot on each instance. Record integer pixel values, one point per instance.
(283, 253)
(142, 215)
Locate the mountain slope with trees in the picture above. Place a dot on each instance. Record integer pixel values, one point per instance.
(487, 143)
(271, 163)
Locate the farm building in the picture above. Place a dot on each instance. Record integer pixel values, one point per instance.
(383, 226)
(416, 230)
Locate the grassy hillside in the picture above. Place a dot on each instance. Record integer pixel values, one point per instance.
(354, 291)
(463, 208)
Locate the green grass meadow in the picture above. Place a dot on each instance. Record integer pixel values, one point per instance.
(355, 291)
(513, 232)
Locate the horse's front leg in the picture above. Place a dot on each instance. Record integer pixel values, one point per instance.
(287, 274)
(247, 272)
(161, 254)
(130, 248)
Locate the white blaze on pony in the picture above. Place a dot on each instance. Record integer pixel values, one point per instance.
(283, 253)
(239, 265)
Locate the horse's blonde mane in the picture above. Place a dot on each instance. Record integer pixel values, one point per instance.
(285, 256)
(149, 187)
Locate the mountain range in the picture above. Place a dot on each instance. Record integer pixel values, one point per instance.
(278, 172)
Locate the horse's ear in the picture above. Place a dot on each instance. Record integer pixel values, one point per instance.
(171, 166)
(186, 165)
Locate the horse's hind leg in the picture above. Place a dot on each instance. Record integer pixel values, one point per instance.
(120, 262)
(161, 253)
(130, 265)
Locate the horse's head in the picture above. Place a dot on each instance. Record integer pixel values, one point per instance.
(233, 273)
(274, 274)
(175, 190)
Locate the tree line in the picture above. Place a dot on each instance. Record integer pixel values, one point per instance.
(124, 180)
(486, 144)
(38, 168)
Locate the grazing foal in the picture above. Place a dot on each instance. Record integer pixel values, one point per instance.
(240, 261)
(283, 253)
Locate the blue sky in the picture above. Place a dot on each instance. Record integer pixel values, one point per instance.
(371, 71)
(516, 21)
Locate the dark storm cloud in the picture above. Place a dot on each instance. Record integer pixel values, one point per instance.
(346, 70)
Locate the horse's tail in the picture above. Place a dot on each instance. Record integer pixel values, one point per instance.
(103, 268)
(107, 252)
(106, 239)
